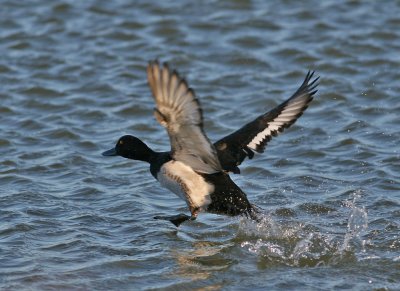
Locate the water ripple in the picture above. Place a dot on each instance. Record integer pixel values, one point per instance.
(73, 80)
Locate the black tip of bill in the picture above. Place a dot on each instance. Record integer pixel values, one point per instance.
(110, 153)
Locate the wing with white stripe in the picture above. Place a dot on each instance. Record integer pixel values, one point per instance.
(178, 110)
(234, 148)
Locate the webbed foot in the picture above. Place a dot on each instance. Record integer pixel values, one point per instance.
(176, 219)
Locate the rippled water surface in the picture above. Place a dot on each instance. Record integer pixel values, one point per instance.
(72, 76)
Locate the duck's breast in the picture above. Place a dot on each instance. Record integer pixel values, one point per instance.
(186, 183)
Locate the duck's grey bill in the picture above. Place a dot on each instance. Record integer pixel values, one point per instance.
(110, 153)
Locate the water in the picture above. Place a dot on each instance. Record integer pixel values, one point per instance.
(72, 77)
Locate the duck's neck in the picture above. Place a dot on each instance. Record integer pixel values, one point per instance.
(146, 155)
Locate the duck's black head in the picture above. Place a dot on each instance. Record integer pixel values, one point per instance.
(130, 147)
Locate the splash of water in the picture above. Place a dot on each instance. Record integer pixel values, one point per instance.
(298, 244)
(357, 224)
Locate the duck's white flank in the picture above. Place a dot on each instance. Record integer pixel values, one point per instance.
(186, 183)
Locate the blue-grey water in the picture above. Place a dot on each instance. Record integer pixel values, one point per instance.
(73, 80)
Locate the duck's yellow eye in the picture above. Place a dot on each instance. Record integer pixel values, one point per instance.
(121, 142)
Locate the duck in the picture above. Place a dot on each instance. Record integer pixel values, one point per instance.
(195, 169)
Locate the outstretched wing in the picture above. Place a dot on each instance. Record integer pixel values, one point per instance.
(178, 110)
(254, 136)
